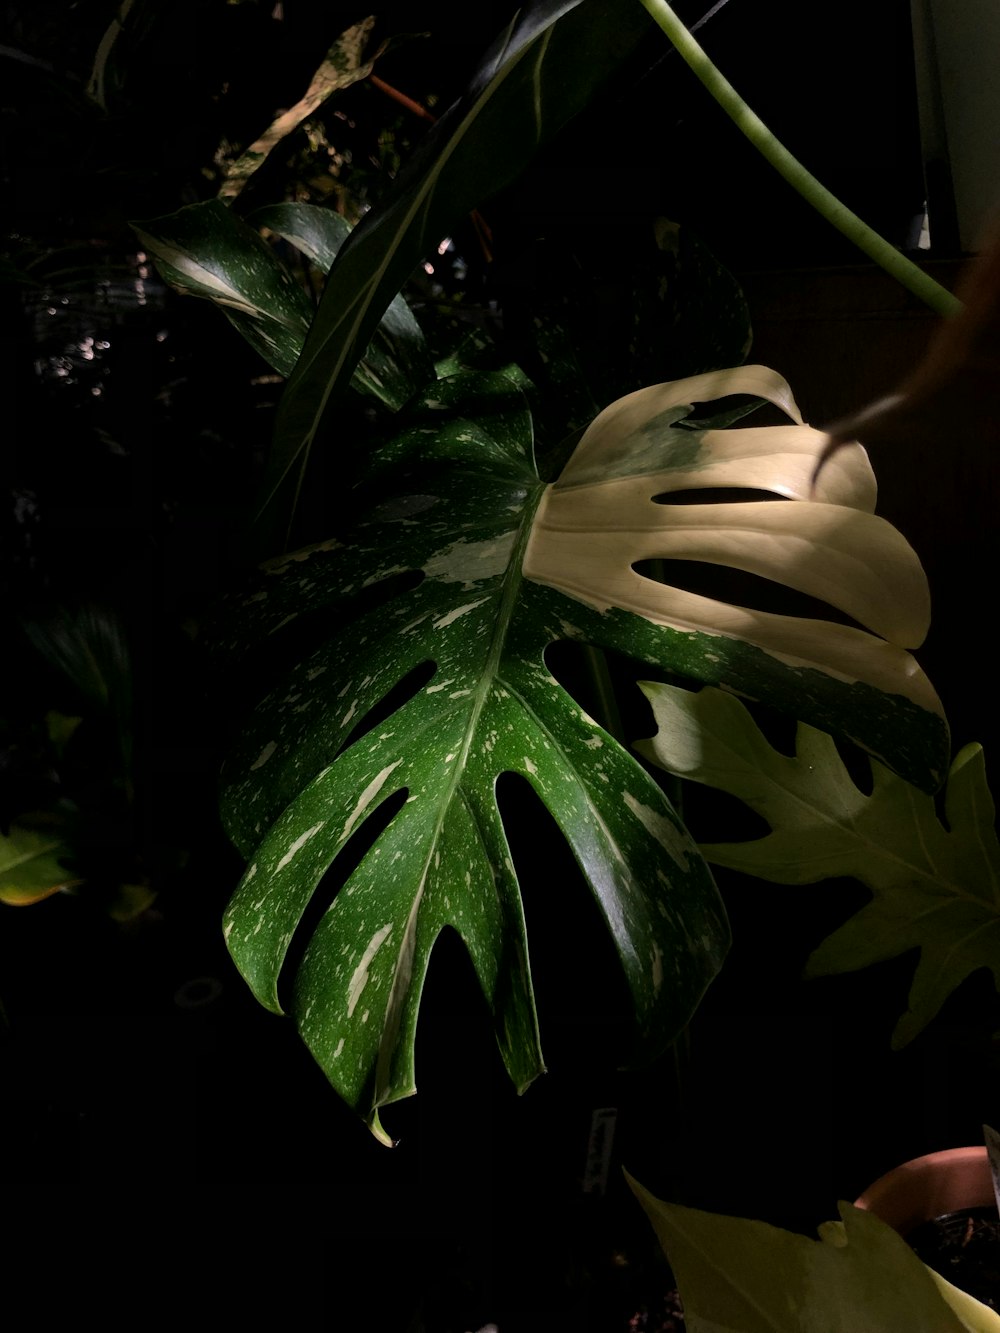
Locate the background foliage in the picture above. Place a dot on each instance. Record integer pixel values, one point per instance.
(141, 428)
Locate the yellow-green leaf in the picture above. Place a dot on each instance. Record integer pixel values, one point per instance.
(935, 886)
(30, 866)
(737, 1275)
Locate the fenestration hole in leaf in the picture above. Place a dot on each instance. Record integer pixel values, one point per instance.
(600, 680)
(402, 692)
(737, 587)
(351, 855)
(714, 495)
(456, 1060)
(583, 1005)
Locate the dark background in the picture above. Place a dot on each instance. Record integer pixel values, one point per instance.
(133, 1051)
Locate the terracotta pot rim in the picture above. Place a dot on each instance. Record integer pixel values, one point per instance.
(929, 1186)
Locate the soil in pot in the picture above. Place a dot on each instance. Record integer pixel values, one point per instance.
(963, 1247)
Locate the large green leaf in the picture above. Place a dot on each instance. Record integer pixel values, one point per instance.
(739, 1274)
(542, 69)
(466, 542)
(936, 885)
(599, 520)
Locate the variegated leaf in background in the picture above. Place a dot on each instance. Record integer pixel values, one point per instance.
(205, 250)
(483, 567)
(396, 362)
(542, 69)
(345, 63)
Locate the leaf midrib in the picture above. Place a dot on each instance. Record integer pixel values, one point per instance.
(512, 580)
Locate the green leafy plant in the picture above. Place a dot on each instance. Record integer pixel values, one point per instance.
(32, 865)
(483, 566)
(439, 604)
(736, 1273)
(935, 883)
(206, 250)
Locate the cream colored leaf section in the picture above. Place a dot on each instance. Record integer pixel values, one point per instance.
(638, 434)
(213, 285)
(595, 523)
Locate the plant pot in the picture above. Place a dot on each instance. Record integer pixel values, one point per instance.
(927, 1187)
(944, 1206)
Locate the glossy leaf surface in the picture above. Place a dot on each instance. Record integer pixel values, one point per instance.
(543, 68)
(397, 361)
(469, 580)
(206, 250)
(601, 518)
(491, 706)
(935, 886)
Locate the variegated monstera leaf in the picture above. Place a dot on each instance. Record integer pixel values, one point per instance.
(484, 567)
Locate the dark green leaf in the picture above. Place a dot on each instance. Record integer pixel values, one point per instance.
(541, 71)
(291, 801)
(396, 363)
(476, 568)
(206, 250)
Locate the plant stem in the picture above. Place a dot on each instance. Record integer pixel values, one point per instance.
(606, 701)
(876, 247)
(401, 98)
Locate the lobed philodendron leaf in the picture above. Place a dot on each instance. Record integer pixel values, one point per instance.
(740, 1274)
(600, 519)
(465, 547)
(542, 69)
(935, 886)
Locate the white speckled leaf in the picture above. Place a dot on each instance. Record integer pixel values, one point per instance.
(541, 70)
(457, 506)
(205, 250)
(397, 361)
